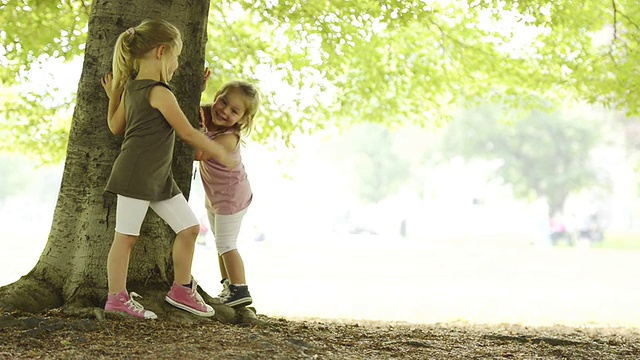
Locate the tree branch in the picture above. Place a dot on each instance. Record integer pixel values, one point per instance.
(629, 19)
(615, 20)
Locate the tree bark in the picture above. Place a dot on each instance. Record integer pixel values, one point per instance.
(71, 272)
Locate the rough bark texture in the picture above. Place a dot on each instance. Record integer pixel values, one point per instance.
(71, 271)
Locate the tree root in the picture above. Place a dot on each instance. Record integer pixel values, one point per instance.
(30, 295)
(33, 296)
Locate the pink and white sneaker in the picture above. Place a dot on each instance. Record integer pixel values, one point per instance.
(122, 302)
(188, 299)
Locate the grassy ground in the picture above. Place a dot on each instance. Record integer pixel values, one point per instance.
(629, 240)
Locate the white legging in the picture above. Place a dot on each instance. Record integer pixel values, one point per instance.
(225, 229)
(131, 212)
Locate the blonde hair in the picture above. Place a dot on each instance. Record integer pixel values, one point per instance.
(251, 102)
(134, 43)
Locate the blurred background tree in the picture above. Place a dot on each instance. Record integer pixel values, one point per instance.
(545, 155)
(366, 154)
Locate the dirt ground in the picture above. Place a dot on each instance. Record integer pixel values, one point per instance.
(55, 335)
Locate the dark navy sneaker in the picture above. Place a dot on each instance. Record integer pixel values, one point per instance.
(238, 296)
(225, 290)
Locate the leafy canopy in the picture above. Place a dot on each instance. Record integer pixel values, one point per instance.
(324, 64)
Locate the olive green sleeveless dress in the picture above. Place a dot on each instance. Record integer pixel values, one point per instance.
(142, 170)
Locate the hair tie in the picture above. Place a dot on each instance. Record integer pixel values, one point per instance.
(131, 31)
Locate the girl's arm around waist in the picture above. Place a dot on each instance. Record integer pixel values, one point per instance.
(228, 141)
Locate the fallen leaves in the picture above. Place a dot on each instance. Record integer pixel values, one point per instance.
(58, 336)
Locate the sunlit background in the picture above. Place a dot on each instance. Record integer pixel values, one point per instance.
(312, 252)
(408, 224)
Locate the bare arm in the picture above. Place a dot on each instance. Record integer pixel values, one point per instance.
(228, 142)
(115, 116)
(163, 99)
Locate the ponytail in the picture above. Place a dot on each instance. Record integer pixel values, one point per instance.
(136, 42)
(123, 67)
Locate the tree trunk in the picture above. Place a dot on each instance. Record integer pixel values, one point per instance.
(71, 271)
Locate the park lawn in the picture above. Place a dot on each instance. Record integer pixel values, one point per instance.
(628, 240)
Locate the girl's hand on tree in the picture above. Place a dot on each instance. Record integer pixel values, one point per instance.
(107, 85)
(207, 75)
